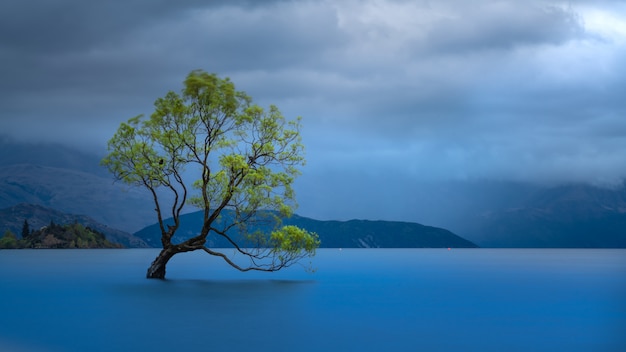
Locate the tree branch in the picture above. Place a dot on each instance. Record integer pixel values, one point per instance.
(234, 265)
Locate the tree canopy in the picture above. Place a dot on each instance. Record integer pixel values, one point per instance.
(211, 147)
(9, 240)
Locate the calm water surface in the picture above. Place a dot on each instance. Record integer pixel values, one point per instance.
(358, 300)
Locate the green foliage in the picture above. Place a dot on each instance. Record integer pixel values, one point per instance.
(245, 158)
(9, 240)
(291, 242)
(292, 239)
(59, 236)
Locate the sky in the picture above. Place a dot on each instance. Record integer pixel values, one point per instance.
(393, 94)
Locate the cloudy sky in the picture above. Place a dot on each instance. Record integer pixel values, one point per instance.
(392, 92)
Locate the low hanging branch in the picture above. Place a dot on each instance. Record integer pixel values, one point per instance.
(246, 159)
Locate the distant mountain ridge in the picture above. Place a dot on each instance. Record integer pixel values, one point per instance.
(333, 234)
(569, 216)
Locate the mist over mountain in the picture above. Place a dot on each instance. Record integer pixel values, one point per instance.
(488, 213)
(53, 155)
(569, 216)
(71, 181)
(75, 192)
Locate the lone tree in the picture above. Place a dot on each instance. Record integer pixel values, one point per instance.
(244, 159)
(25, 229)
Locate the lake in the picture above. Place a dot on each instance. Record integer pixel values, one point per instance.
(357, 300)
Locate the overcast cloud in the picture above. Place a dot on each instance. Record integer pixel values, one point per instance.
(391, 92)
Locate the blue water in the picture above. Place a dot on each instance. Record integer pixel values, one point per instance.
(358, 300)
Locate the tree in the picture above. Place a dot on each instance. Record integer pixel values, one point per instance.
(244, 159)
(25, 229)
(9, 240)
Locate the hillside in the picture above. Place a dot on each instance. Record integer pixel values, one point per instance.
(335, 234)
(74, 192)
(68, 236)
(71, 181)
(12, 219)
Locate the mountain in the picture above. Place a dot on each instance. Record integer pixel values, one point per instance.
(488, 213)
(12, 218)
(567, 216)
(383, 234)
(333, 234)
(74, 191)
(61, 178)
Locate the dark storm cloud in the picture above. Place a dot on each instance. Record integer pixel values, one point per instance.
(42, 26)
(522, 90)
(504, 26)
(271, 38)
(124, 47)
(85, 66)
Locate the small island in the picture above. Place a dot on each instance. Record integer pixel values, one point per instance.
(67, 236)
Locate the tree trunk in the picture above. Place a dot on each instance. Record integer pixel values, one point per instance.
(157, 268)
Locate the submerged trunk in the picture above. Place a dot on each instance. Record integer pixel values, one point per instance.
(157, 268)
